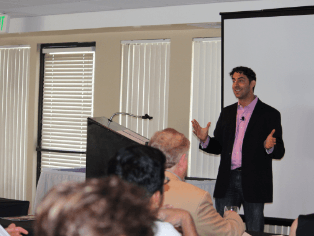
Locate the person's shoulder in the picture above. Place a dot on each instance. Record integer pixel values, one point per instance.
(187, 192)
(309, 216)
(230, 107)
(266, 107)
(197, 192)
(164, 229)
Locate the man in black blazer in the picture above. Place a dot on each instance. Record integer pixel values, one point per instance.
(248, 135)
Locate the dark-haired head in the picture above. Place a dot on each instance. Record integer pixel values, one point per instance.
(248, 72)
(141, 165)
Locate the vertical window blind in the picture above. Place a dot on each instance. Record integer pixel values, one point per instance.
(205, 102)
(145, 84)
(14, 82)
(67, 102)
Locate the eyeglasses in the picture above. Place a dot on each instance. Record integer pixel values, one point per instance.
(167, 180)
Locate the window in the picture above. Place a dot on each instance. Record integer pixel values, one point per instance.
(145, 84)
(205, 102)
(14, 82)
(67, 100)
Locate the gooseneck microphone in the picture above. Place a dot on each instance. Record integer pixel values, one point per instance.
(146, 116)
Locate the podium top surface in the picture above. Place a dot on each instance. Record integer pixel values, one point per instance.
(122, 130)
(108, 124)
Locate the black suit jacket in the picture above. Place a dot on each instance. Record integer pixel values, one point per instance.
(257, 179)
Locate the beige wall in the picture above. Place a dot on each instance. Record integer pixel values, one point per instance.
(107, 72)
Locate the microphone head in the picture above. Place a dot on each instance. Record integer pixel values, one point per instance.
(147, 117)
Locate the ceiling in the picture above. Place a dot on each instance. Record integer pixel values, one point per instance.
(32, 8)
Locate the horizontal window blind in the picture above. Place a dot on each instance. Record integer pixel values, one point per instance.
(205, 102)
(67, 103)
(145, 84)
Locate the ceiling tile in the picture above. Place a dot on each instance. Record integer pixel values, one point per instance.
(24, 8)
(6, 5)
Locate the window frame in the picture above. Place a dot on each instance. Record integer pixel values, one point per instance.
(39, 148)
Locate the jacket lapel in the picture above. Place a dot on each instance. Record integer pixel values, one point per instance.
(233, 116)
(233, 123)
(254, 117)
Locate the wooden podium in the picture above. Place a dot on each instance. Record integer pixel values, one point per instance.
(104, 139)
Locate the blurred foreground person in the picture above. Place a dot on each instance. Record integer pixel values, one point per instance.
(97, 207)
(145, 166)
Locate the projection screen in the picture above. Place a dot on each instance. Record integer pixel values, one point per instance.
(278, 45)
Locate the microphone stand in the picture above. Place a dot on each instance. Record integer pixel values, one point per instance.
(146, 116)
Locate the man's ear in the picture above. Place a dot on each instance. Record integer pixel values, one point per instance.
(183, 160)
(253, 83)
(155, 200)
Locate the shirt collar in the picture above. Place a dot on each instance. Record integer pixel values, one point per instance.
(174, 174)
(251, 106)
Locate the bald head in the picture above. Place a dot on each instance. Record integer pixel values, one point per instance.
(172, 143)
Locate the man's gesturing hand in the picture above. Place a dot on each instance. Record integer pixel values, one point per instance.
(270, 141)
(200, 132)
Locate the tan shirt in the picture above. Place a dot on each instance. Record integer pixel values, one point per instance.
(199, 203)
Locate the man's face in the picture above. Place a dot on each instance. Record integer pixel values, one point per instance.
(241, 86)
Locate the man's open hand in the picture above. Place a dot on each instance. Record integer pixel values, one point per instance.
(200, 132)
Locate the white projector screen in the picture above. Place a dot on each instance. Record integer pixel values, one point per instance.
(280, 49)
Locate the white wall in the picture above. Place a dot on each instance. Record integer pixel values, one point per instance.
(148, 16)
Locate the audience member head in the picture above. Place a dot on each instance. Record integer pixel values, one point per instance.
(97, 207)
(302, 226)
(141, 165)
(248, 72)
(175, 147)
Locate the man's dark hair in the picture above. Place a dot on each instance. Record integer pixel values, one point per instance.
(248, 72)
(141, 165)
